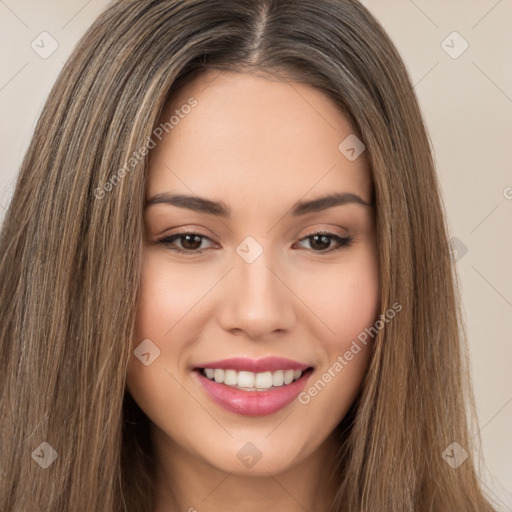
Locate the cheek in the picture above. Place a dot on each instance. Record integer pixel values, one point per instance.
(348, 306)
(346, 300)
(158, 317)
(168, 295)
(166, 301)
(357, 301)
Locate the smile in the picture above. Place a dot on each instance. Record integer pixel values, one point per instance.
(249, 381)
(253, 393)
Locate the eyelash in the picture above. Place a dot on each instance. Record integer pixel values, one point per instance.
(342, 241)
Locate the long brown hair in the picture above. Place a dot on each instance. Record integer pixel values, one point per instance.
(71, 249)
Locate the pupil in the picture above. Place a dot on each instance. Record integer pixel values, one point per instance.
(194, 243)
(324, 240)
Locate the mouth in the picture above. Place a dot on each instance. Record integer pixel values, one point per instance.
(252, 394)
(251, 381)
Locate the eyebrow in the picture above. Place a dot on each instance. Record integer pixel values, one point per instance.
(203, 205)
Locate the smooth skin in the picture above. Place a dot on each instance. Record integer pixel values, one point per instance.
(258, 145)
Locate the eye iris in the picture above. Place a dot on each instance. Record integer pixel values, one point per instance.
(194, 240)
(324, 239)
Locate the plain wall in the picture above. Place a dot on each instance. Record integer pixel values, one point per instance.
(467, 103)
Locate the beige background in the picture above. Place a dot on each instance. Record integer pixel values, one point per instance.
(467, 103)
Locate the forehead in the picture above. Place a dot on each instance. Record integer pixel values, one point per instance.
(251, 135)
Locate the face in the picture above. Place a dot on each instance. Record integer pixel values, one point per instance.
(275, 288)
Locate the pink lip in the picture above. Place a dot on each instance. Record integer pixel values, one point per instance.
(267, 364)
(252, 403)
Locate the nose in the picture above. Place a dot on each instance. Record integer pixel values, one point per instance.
(256, 299)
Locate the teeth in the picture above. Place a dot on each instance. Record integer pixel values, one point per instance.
(219, 376)
(245, 379)
(250, 381)
(230, 378)
(278, 378)
(263, 380)
(288, 376)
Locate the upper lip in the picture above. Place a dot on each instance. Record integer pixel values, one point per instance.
(266, 364)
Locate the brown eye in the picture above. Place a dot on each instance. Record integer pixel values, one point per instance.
(321, 242)
(189, 242)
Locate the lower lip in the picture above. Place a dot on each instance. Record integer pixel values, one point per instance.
(253, 403)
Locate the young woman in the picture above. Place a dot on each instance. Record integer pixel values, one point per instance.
(225, 279)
